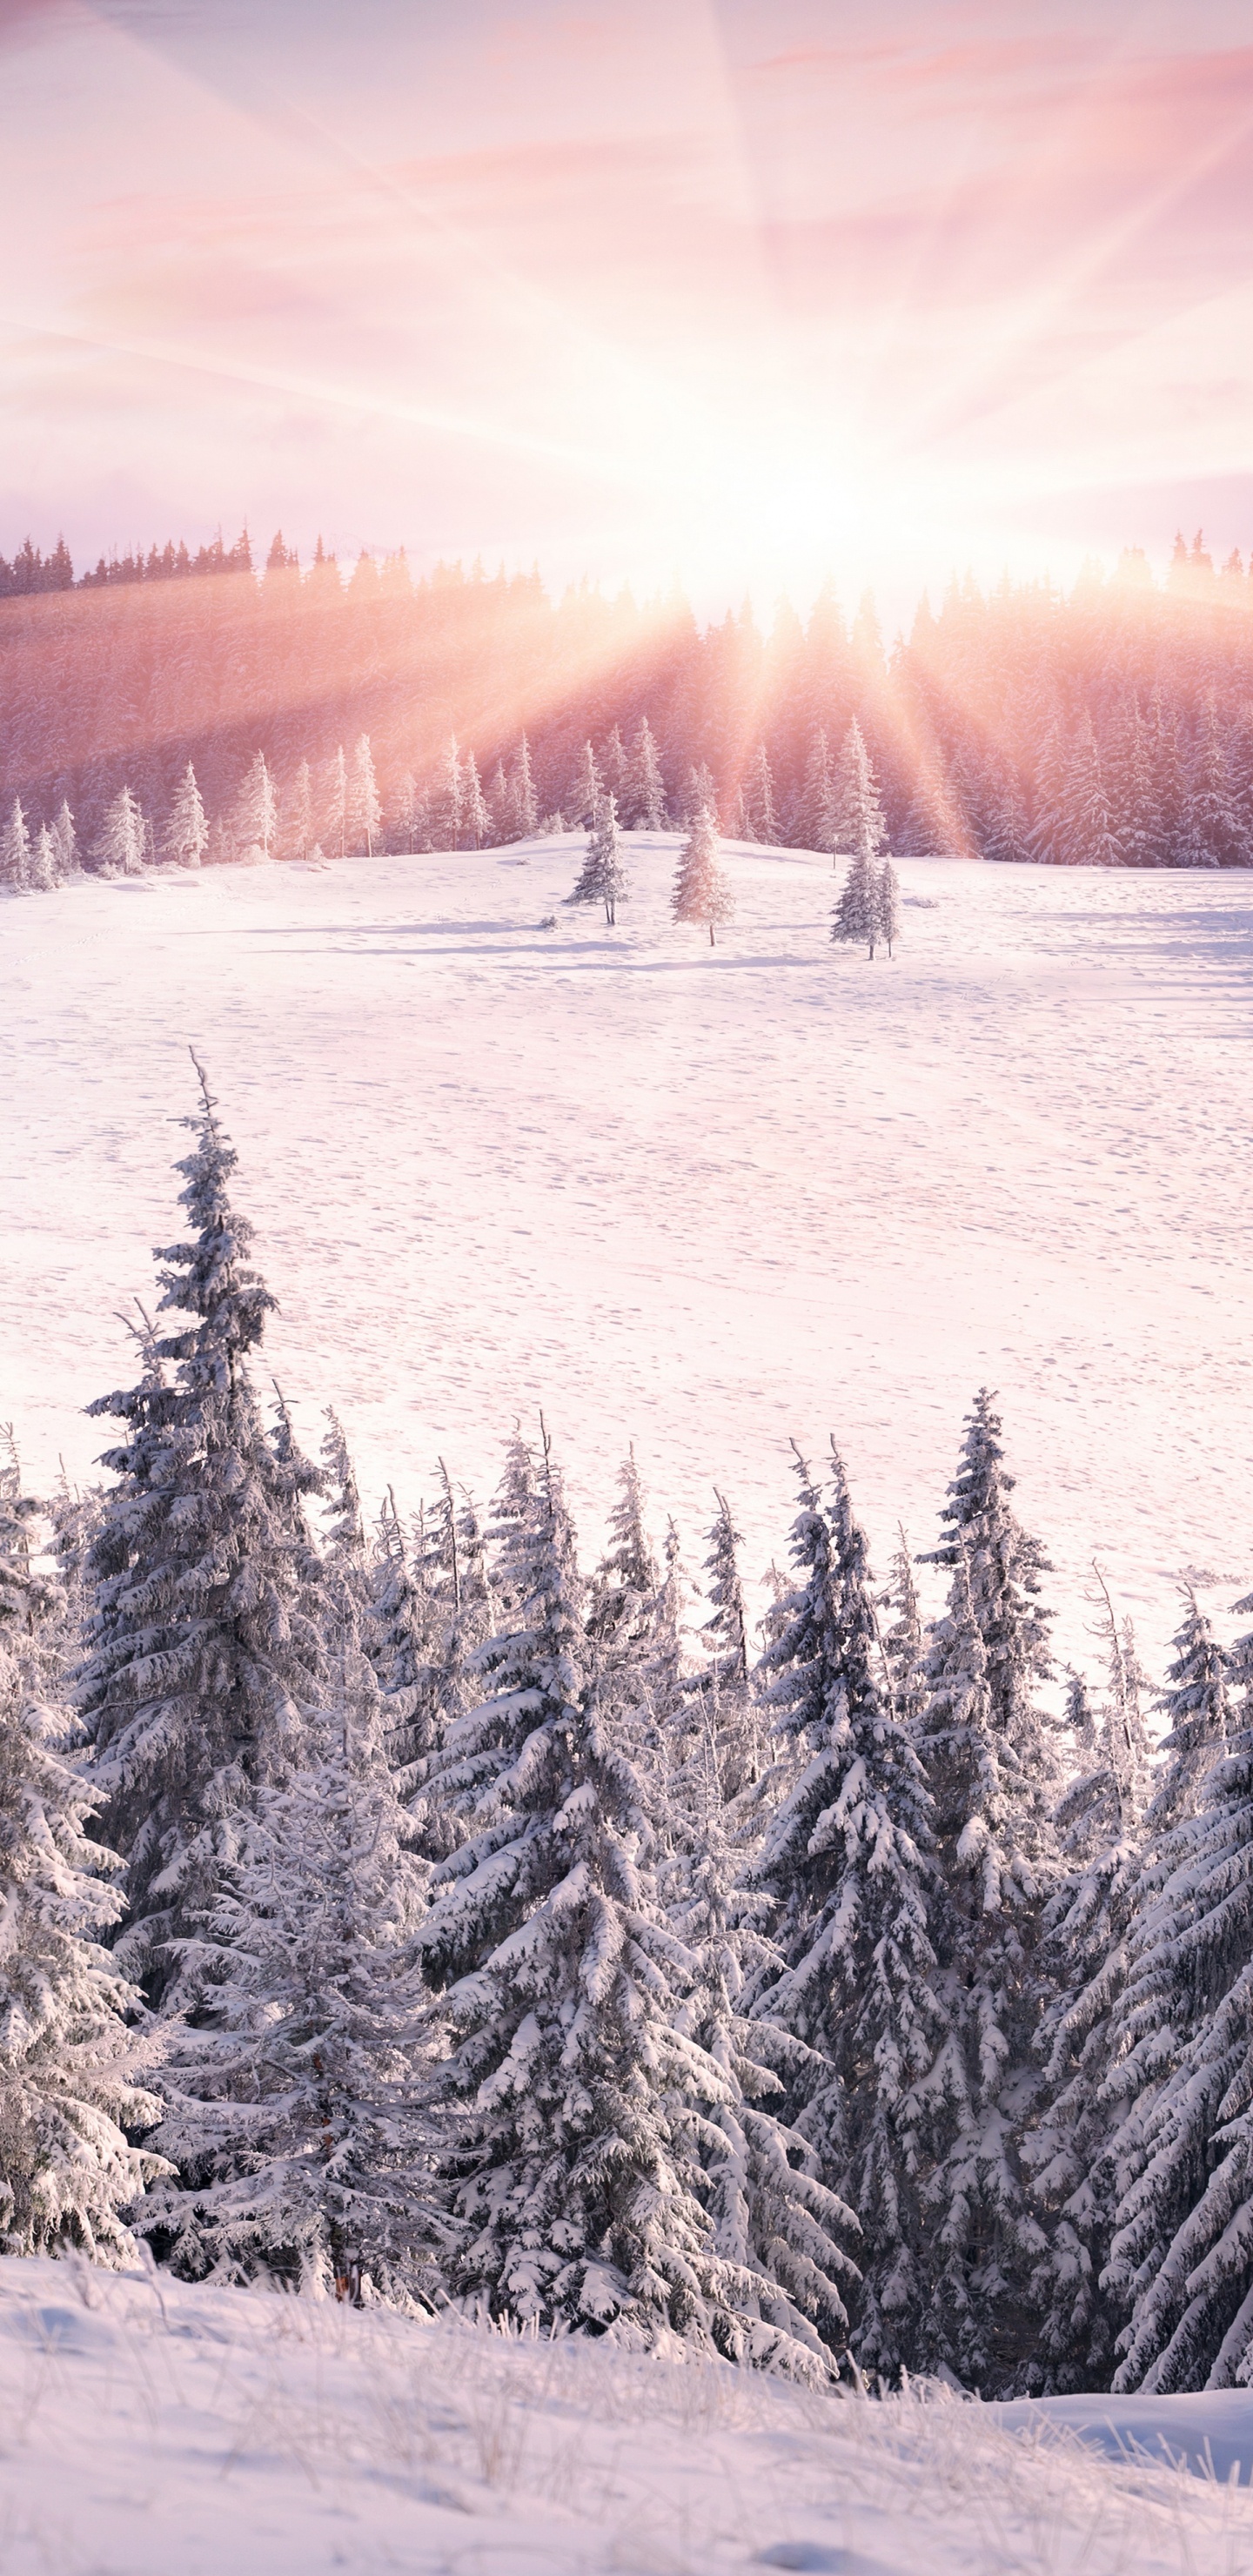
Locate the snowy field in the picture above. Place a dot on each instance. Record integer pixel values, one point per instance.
(163, 2431)
(702, 1200)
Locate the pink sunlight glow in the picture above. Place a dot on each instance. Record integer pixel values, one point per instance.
(732, 294)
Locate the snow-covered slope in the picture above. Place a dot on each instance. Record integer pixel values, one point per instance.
(156, 2431)
(704, 1200)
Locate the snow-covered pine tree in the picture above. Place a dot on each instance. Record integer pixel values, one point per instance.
(1050, 807)
(449, 797)
(295, 2098)
(405, 814)
(1160, 2012)
(453, 1607)
(1129, 778)
(66, 839)
(904, 1644)
(401, 1636)
(1088, 838)
(475, 819)
(624, 1587)
(573, 2108)
(997, 1868)
(1006, 836)
(365, 811)
(118, 850)
(1213, 835)
(603, 878)
(772, 2214)
(855, 916)
(887, 903)
(41, 875)
(297, 814)
(759, 821)
(734, 1715)
(200, 1650)
(856, 820)
(523, 802)
(848, 1859)
(702, 890)
(1181, 2253)
(614, 765)
(15, 850)
(1003, 1567)
(1075, 2149)
(644, 796)
(814, 811)
(256, 808)
(335, 804)
(68, 2094)
(699, 788)
(186, 836)
(586, 788)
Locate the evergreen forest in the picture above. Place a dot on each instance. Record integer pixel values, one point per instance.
(198, 707)
(417, 1908)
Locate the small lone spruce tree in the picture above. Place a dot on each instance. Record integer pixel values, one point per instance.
(702, 891)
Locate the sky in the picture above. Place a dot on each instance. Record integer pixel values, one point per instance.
(738, 294)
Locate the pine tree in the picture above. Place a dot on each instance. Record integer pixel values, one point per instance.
(68, 2094)
(996, 1866)
(42, 873)
(772, 2214)
(815, 810)
(614, 766)
(856, 815)
(475, 819)
(15, 852)
(848, 1858)
(295, 2100)
(644, 796)
(1212, 828)
(757, 800)
(186, 836)
(406, 813)
(298, 814)
(200, 1652)
(904, 1645)
(256, 808)
(66, 839)
(365, 810)
(603, 878)
(624, 1587)
(1050, 799)
(573, 2107)
(702, 891)
(523, 802)
(346, 1552)
(698, 790)
(1133, 814)
(401, 1636)
(335, 804)
(856, 915)
(887, 904)
(1007, 832)
(724, 1708)
(586, 788)
(1186, 2221)
(1170, 785)
(1076, 2149)
(1088, 839)
(1002, 1568)
(119, 846)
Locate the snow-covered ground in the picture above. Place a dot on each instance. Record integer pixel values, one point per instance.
(702, 1200)
(159, 2431)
